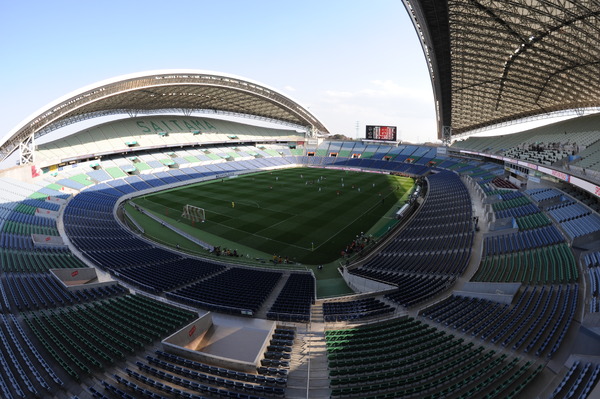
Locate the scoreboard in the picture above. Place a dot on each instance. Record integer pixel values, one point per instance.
(387, 133)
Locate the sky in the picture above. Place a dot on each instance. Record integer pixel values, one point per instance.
(350, 62)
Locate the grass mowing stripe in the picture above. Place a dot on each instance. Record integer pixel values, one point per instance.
(358, 217)
(285, 211)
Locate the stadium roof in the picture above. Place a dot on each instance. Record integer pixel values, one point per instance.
(161, 91)
(496, 61)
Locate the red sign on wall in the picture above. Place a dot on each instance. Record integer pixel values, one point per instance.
(192, 331)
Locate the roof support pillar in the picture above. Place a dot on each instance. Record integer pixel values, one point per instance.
(312, 132)
(446, 135)
(26, 149)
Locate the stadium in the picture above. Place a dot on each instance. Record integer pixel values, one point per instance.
(199, 235)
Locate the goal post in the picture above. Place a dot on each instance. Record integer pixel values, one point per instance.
(193, 213)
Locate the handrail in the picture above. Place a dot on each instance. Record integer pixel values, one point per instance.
(308, 362)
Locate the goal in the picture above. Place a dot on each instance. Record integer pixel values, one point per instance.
(193, 213)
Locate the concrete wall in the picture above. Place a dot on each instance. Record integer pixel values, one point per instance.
(587, 241)
(87, 276)
(183, 342)
(191, 335)
(41, 240)
(21, 172)
(361, 284)
(497, 292)
(500, 227)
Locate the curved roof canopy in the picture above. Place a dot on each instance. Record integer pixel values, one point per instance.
(166, 90)
(495, 61)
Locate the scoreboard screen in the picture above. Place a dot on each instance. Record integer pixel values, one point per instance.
(387, 133)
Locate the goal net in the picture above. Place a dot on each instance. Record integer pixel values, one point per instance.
(193, 213)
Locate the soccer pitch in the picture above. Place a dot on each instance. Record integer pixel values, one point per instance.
(306, 215)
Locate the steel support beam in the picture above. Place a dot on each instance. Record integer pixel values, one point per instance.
(26, 150)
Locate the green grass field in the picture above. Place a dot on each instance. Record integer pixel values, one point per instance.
(307, 215)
